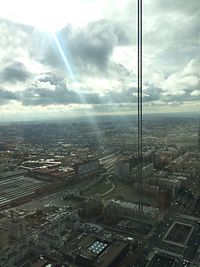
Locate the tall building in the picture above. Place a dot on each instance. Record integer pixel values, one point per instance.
(16, 229)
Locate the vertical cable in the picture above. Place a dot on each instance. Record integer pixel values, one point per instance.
(198, 142)
(139, 84)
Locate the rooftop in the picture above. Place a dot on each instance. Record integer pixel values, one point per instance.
(161, 261)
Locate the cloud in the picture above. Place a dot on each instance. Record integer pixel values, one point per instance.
(171, 34)
(15, 72)
(6, 96)
(96, 63)
(14, 41)
(195, 93)
(85, 48)
(185, 84)
(49, 77)
(177, 6)
(61, 95)
(185, 96)
(95, 43)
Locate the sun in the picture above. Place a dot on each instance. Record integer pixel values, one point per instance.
(51, 15)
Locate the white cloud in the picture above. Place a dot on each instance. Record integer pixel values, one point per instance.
(195, 93)
(103, 54)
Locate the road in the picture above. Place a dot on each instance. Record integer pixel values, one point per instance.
(110, 190)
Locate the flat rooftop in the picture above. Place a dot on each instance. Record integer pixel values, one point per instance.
(179, 233)
(100, 252)
(161, 261)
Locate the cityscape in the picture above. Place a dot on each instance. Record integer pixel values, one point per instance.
(99, 133)
(69, 192)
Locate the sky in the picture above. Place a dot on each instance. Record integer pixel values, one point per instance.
(64, 58)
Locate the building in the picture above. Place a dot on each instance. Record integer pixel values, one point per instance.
(173, 184)
(92, 207)
(123, 209)
(159, 258)
(33, 255)
(108, 162)
(179, 233)
(122, 169)
(86, 168)
(4, 241)
(94, 251)
(164, 198)
(16, 229)
(43, 261)
(147, 171)
(164, 157)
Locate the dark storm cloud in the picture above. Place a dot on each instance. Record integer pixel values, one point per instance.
(15, 72)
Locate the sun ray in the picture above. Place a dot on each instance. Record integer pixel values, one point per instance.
(70, 70)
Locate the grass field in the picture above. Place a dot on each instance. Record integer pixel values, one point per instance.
(100, 188)
(119, 191)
